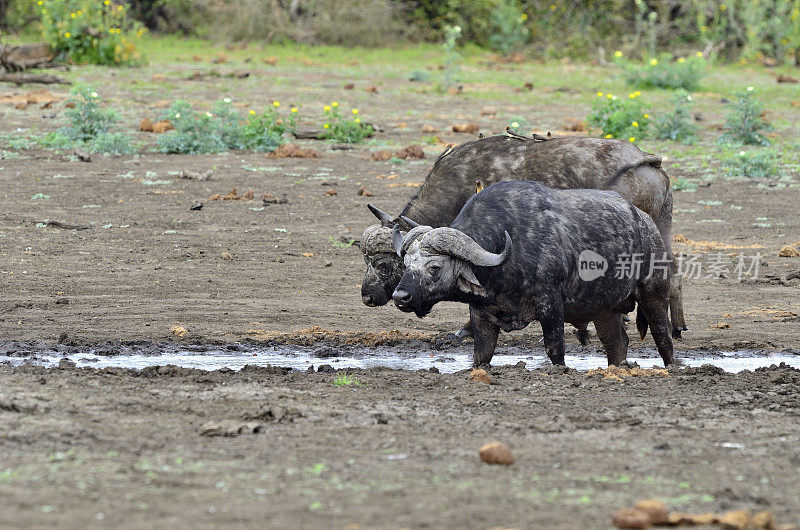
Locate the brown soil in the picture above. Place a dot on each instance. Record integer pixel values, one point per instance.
(116, 254)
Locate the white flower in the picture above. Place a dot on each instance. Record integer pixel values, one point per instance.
(178, 115)
(94, 94)
(209, 115)
(227, 100)
(688, 98)
(741, 153)
(514, 124)
(750, 89)
(613, 97)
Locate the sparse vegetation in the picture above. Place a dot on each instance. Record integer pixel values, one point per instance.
(667, 72)
(753, 164)
(342, 128)
(342, 379)
(679, 124)
(744, 123)
(620, 117)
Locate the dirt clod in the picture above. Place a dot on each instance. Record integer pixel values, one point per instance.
(429, 129)
(655, 510)
(465, 128)
(380, 156)
(412, 151)
(178, 331)
(783, 78)
(226, 256)
(294, 151)
(575, 126)
(631, 518)
(481, 376)
(496, 453)
(364, 192)
(331, 192)
(735, 520)
(789, 252)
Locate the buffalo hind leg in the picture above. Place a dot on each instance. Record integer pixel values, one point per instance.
(485, 336)
(582, 333)
(612, 335)
(664, 225)
(654, 310)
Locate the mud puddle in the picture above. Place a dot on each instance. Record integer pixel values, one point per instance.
(302, 358)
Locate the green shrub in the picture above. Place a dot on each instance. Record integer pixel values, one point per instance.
(88, 126)
(117, 143)
(679, 125)
(744, 123)
(264, 132)
(451, 57)
(91, 31)
(509, 32)
(223, 128)
(755, 165)
(667, 72)
(349, 130)
(620, 117)
(86, 118)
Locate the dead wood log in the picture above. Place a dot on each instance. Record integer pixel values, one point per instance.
(24, 79)
(25, 56)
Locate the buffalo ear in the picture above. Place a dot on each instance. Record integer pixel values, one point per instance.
(468, 283)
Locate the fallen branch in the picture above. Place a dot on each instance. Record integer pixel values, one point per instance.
(24, 79)
(25, 56)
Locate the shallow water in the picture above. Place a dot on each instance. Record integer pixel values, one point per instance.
(448, 361)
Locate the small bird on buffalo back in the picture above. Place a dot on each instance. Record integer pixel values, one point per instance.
(478, 186)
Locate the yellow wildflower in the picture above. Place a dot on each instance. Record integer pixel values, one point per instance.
(635, 123)
(355, 111)
(632, 95)
(638, 93)
(326, 108)
(40, 2)
(617, 53)
(632, 139)
(334, 104)
(79, 13)
(523, 17)
(609, 136)
(107, 2)
(681, 60)
(276, 103)
(646, 115)
(358, 120)
(294, 109)
(120, 7)
(67, 35)
(699, 54)
(654, 61)
(72, 15)
(609, 96)
(599, 94)
(252, 113)
(327, 126)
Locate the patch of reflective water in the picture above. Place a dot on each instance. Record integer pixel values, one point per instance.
(446, 362)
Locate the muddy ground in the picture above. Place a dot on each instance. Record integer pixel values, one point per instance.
(120, 448)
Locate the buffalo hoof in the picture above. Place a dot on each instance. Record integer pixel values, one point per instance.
(676, 332)
(583, 336)
(448, 340)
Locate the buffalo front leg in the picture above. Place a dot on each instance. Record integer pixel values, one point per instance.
(453, 339)
(553, 331)
(611, 333)
(664, 224)
(485, 335)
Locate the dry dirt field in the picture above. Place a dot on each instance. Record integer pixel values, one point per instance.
(121, 448)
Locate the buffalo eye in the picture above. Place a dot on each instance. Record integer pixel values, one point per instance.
(434, 270)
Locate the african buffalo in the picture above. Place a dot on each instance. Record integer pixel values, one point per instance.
(518, 252)
(566, 163)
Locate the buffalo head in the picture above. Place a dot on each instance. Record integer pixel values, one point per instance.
(384, 267)
(438, 266)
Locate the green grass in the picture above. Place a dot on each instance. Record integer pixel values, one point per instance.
(343, 379)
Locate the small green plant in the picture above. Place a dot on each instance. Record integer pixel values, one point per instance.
(518, 124)
(430, 140)
(679, 125)
(344, 129)
(91, 31)
(195, 132)
(343, 379)
(620, 117)
(341, 244)
(744, 123)
(264, 132)
(682, 184)
(87, 118)
(419, 76)
(451, 56)
(667, 72)
(755, 165)
(89, 126)
(509, 31)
